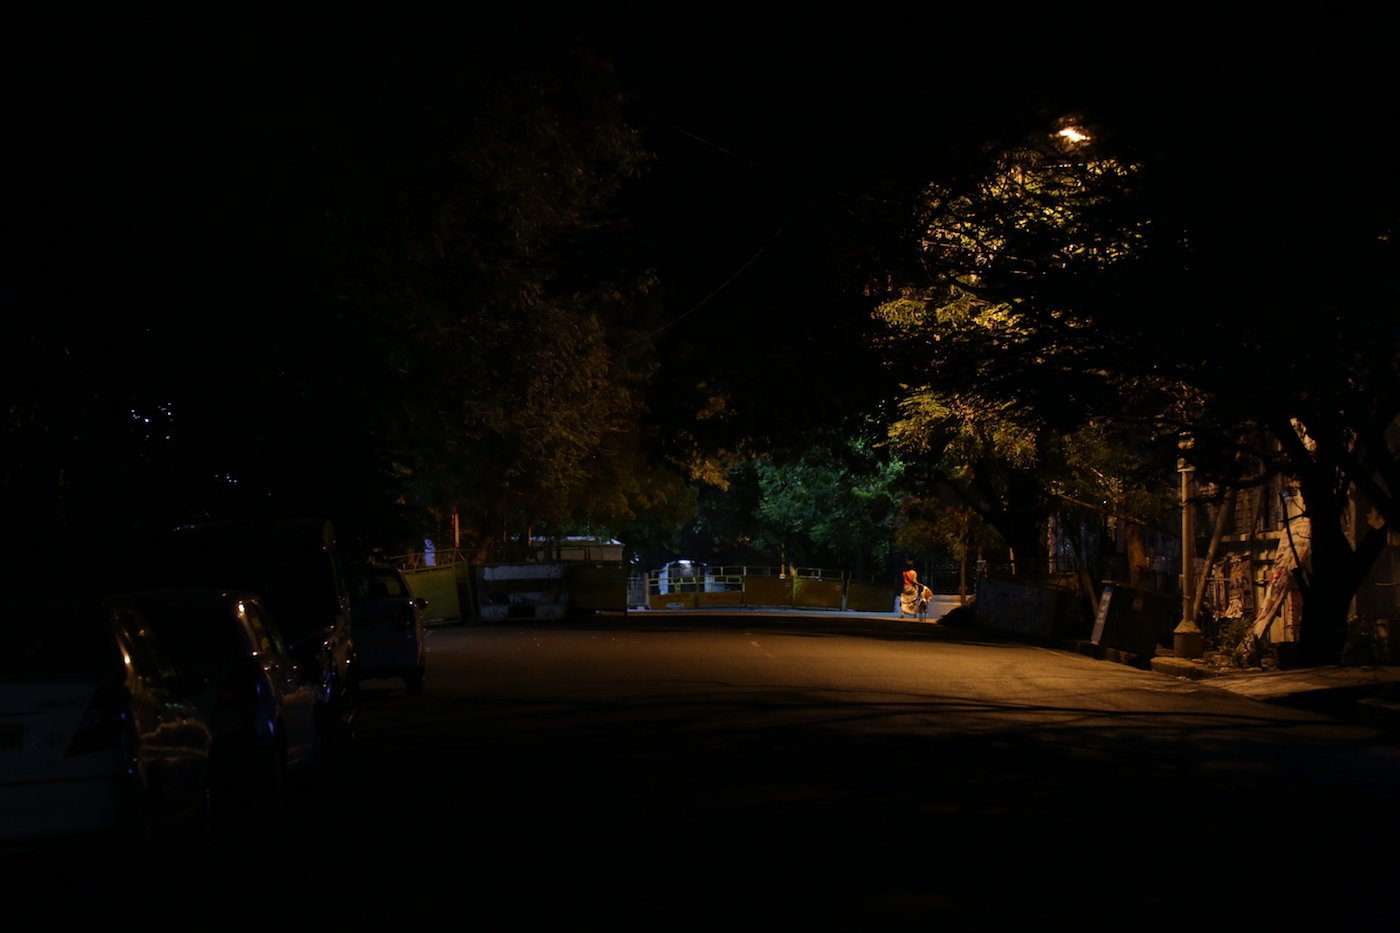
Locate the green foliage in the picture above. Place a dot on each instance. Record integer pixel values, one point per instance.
(832, 500)
(1367, 643)
(1020, 265)
(943, 533)
(375, 270)
(1009, 402)
(472, 258)
(831, 505)
(1236, 643)
(1140, 287)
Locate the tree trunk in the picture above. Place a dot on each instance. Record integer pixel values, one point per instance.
(1222, 520)
(962, 558)
(1322, 579)
(1338, 571)
(1137, 557)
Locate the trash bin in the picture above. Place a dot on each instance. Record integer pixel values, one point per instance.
(1134, 620)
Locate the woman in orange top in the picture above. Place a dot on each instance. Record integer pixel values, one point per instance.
(909, 596)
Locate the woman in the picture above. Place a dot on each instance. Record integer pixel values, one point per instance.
(909, 596)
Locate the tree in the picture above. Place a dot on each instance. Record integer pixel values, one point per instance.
(833, 504)
(1154, 286)
(468, 246)
(1013, 401)
(376, 271)
(1277, 270)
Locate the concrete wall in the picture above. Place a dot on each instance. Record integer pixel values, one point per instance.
(1024, 609)
(520, 591)
(871, 597)
(596, 587)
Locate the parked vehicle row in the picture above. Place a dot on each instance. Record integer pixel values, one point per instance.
(100, 732)
(295, 566)
(260, 705)
(199, 696)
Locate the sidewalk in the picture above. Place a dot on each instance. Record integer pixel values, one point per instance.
(1361, 693)
(1366, 694)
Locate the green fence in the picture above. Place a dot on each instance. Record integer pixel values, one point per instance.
(605, 586)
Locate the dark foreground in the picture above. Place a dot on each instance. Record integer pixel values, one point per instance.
(739, 778)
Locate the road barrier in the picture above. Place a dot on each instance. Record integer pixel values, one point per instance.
(762, 587)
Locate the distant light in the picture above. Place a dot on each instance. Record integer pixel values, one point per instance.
(1072, 134)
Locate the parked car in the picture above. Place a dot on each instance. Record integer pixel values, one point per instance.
(390, 640)
(295, 566)
(259, 703)
(99, 734)
(681, 576)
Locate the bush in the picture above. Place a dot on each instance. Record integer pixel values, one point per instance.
(1368, 642)
(1231, 633)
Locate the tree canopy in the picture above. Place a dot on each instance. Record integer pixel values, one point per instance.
(376, 276)
(1132, 279)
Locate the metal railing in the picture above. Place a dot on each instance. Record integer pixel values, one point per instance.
(748, 585)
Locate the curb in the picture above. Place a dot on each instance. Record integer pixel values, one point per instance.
(1371, 702)
(1189, 668)
(1380, 714)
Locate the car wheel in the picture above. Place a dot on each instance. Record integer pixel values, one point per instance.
(349, 698)
(274, 799)
(145, 835)
(413, 683)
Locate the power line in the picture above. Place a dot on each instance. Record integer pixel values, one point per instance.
(723, 285)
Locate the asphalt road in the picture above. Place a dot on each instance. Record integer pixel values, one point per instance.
(861, 774)
(748, 772)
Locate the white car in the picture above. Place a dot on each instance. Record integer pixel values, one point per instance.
(99, 737)
(680, 576)
(387, 622)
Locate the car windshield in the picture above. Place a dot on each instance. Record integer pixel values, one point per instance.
(380, 584)
(204, 635)
(293, 588)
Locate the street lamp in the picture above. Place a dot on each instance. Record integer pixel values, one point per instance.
(1187, 639)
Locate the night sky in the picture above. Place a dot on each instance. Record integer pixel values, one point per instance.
(135, 139)
(756, 117)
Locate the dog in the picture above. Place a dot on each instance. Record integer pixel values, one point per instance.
(925, 596)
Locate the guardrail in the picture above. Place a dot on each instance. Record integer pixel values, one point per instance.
(456, 589)
(761, 587)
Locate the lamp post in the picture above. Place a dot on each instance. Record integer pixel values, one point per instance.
(1187, 639)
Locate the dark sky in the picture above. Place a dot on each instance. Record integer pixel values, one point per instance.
(762, 122)
(769, 129)
(829, 94)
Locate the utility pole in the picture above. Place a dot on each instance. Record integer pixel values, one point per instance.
(1187, 639)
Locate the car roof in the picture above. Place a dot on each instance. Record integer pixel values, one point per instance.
(58, 633)
(188, 595)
